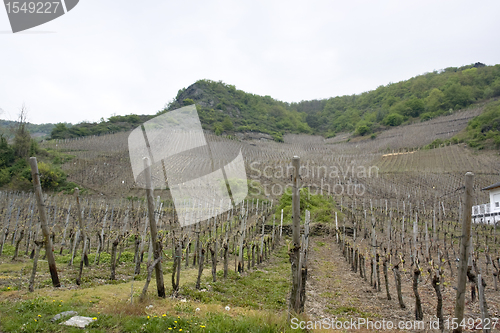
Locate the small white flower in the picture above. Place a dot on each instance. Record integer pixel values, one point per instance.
(197, 309)
(227, 308)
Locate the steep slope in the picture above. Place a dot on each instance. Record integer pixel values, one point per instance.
(223, 108)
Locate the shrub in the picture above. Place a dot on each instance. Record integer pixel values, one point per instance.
(393, 119)
(227, 124)
(50, 177)
(4, 176)
(362, 130)
(6, 153)
(278, 137)
(426, 116)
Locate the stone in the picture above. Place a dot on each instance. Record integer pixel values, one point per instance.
(63, 314)
(78, 321)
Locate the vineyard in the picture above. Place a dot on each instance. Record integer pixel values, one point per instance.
(388, 249)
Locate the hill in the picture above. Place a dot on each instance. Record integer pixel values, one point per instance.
(225, 109)
(7, 128)
(418, 99)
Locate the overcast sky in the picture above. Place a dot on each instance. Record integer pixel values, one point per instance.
(122, 57)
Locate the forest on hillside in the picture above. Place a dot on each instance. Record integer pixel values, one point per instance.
(224, 109)
(418, 99)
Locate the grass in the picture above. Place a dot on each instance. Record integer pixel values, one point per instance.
(248, 290)
(256, 299)
(34, 315)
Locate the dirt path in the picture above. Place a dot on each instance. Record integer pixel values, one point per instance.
(334, 291)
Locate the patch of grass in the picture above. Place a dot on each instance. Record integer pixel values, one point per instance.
(8, 250)
(322, 207)
(247, 290)
(109, 301)
(34, 315)
(184, 308)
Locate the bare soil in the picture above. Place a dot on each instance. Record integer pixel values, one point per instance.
(335, 291)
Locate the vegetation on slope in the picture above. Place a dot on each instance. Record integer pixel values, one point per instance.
(15, 171)
(418, 99)
(484, 130)
(7, 128)
(224, 109)
(322, 208)
(112, 125)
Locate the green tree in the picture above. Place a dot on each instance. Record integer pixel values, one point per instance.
(4, 176)
(60, 131)
(363, 128)
(227, 124)
(457, 96)
(393, 119)
(435, 100)
(493, 90)
(218, 128)
(6, 153)
(414, 107)
(133, 118)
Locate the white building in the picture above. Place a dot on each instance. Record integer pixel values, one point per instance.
(489, 212)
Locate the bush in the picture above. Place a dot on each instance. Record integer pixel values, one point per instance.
(321, 207)
(362, 130)
(278, 137)
(426, 116)
(4, 176)
(227, 124)
(434, 144)
(393, 119)
(330, 134)
(50, 177)
(485, 128)
(6, 153)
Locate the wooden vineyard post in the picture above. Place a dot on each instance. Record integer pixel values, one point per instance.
(464, 250)
(373, 278)
(336, 227)
(63, 241)
(38, 245)
(261, 259)
(83, 235)
(272, 235)
(43, 222)
(281, 225)
(152, 225)
(294, 252)
(242, 238)
(482, 302)
(303, 261)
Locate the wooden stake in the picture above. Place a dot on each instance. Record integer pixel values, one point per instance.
(294, 252)
(43, 222)
(82, 232)
(464, 250)
(152, 226)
